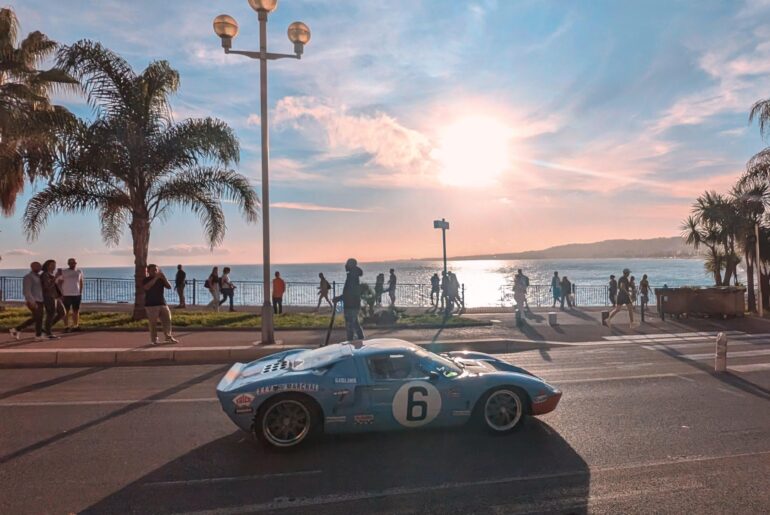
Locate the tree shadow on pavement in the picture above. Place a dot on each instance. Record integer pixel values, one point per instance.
(51, 382)
(434, 471)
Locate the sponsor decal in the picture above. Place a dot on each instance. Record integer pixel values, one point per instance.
(244, 399)
(240, 410)
(345, 380)
(293, 387)
(461, 413)
(416, 403)
(336, 420)
(454, 393)
(363, 419)
(341, 394)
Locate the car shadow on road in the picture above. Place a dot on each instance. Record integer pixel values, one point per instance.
(435, 471)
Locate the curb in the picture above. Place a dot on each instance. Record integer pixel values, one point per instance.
(212, 355)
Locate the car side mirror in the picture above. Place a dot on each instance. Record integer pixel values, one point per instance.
(433, 376)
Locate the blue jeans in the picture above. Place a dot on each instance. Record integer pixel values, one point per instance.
(352, 326)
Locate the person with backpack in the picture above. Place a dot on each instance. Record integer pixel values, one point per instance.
(323, 292)
(212, 285)
(351, 299)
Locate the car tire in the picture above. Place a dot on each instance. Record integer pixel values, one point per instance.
(287, 421)
(502, 410)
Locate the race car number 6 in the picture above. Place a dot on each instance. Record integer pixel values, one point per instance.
(416, 403)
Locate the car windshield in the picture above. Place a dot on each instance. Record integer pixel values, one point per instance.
(321, 357)
(435, 363)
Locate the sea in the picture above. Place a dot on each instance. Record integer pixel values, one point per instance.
(487, 282)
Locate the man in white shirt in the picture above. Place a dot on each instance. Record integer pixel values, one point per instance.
(71, 286)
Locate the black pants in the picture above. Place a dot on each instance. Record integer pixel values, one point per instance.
(277, 305)
(54, 311)
(613, 298)
(36, 318)
(227, 292)
(565, 296)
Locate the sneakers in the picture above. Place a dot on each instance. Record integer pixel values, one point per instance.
(52, 337)
(76, 329)
(154, 342)
(14, 333)
(39, 338)
(171, 339)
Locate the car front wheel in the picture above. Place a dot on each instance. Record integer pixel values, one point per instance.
(503, 410)
(286, 421)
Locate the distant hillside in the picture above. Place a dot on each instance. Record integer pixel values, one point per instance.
(652, 248)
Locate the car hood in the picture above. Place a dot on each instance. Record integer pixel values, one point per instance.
(266, 368)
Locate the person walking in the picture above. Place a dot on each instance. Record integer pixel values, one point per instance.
(644, 289)
(323, 292)
(54, 310)
(392, 288)
(555, 288)
(623, 300)
(520, 284)
(566, 292)
(33, 299)
(632, 289)
(435, 289)
(351, 300)
(613, 290)
(227, 288)
(154, 286)
(212, 285)
(446, 298)
(379, 288)
(71, 286)
(279, 288)
(180, 281)
(456, 297)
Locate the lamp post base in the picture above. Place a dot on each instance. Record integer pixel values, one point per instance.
(268, 336)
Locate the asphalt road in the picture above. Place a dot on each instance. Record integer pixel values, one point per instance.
(643, 427)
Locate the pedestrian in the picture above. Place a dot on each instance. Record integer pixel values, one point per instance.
(520, 285)
(227, 288)
(644, 288)
(33, 299)
(556, 288)
(155, 306)
(54, 309)
(180, 281)
(445, 296)
(323, 292)
(624, 299)
(379, 288)
(351, 300)
(566, 292)
(70, 282)
(392, 288)
(435, 289)
(632, 289)
(456, 297)
(613, 290)
(212, 285)
(279, 288)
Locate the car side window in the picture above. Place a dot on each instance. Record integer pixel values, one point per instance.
(394, 367)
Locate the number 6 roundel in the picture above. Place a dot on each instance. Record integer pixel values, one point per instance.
(416, 403)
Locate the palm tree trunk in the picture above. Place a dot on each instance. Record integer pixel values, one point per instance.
(140, 234)
(750, 278)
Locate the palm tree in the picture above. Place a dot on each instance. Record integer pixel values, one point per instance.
(697, 235)
(749, 201)
(28, 121)
(134, 165)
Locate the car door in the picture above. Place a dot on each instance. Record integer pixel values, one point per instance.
(401, 392)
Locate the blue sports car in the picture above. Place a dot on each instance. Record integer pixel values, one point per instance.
(375, 385)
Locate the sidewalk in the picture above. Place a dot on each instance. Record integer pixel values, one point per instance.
(109, 348)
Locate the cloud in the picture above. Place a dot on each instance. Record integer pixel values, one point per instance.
(181, 249)
(253, 120)
(303, 206)
(20, 252)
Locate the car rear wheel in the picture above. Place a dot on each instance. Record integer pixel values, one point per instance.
(503, 410)
(286, 421)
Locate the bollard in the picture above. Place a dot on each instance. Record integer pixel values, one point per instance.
(552, 318)
(720, 359)
(605, 316)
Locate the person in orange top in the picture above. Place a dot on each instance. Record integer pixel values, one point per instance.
(279, 288)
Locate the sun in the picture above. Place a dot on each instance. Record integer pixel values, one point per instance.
(473, 152)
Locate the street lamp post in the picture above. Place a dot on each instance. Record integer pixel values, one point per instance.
(444, 226)
(299, 34)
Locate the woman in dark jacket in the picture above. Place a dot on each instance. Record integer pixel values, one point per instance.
(351, 299)
(54, 310)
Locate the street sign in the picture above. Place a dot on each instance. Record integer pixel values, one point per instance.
(440, 224)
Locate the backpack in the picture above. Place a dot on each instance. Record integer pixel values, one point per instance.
(207, 284)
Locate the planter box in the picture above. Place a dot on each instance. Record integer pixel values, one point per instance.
(719, 301)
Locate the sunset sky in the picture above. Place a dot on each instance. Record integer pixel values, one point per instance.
(526, 124)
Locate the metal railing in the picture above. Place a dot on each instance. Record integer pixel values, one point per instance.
(541, 295)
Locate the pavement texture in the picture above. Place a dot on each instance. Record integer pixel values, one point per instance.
(129, 348)
(644, 426)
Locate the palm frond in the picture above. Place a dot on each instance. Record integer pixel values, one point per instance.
(186, 143)
(761, 111)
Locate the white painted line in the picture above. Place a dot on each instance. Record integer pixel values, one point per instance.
(614, 378)
(684, 378)
(28, 404)
(730, 354)
(212, 480)
(345, 497)
(750, 368)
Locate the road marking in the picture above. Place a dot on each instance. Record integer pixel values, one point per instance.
(684, 378)
(616, 378)
(209, 480)
(300, 502)
(25, 404)
(738, 354)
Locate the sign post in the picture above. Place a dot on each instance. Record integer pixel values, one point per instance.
(444, 226)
